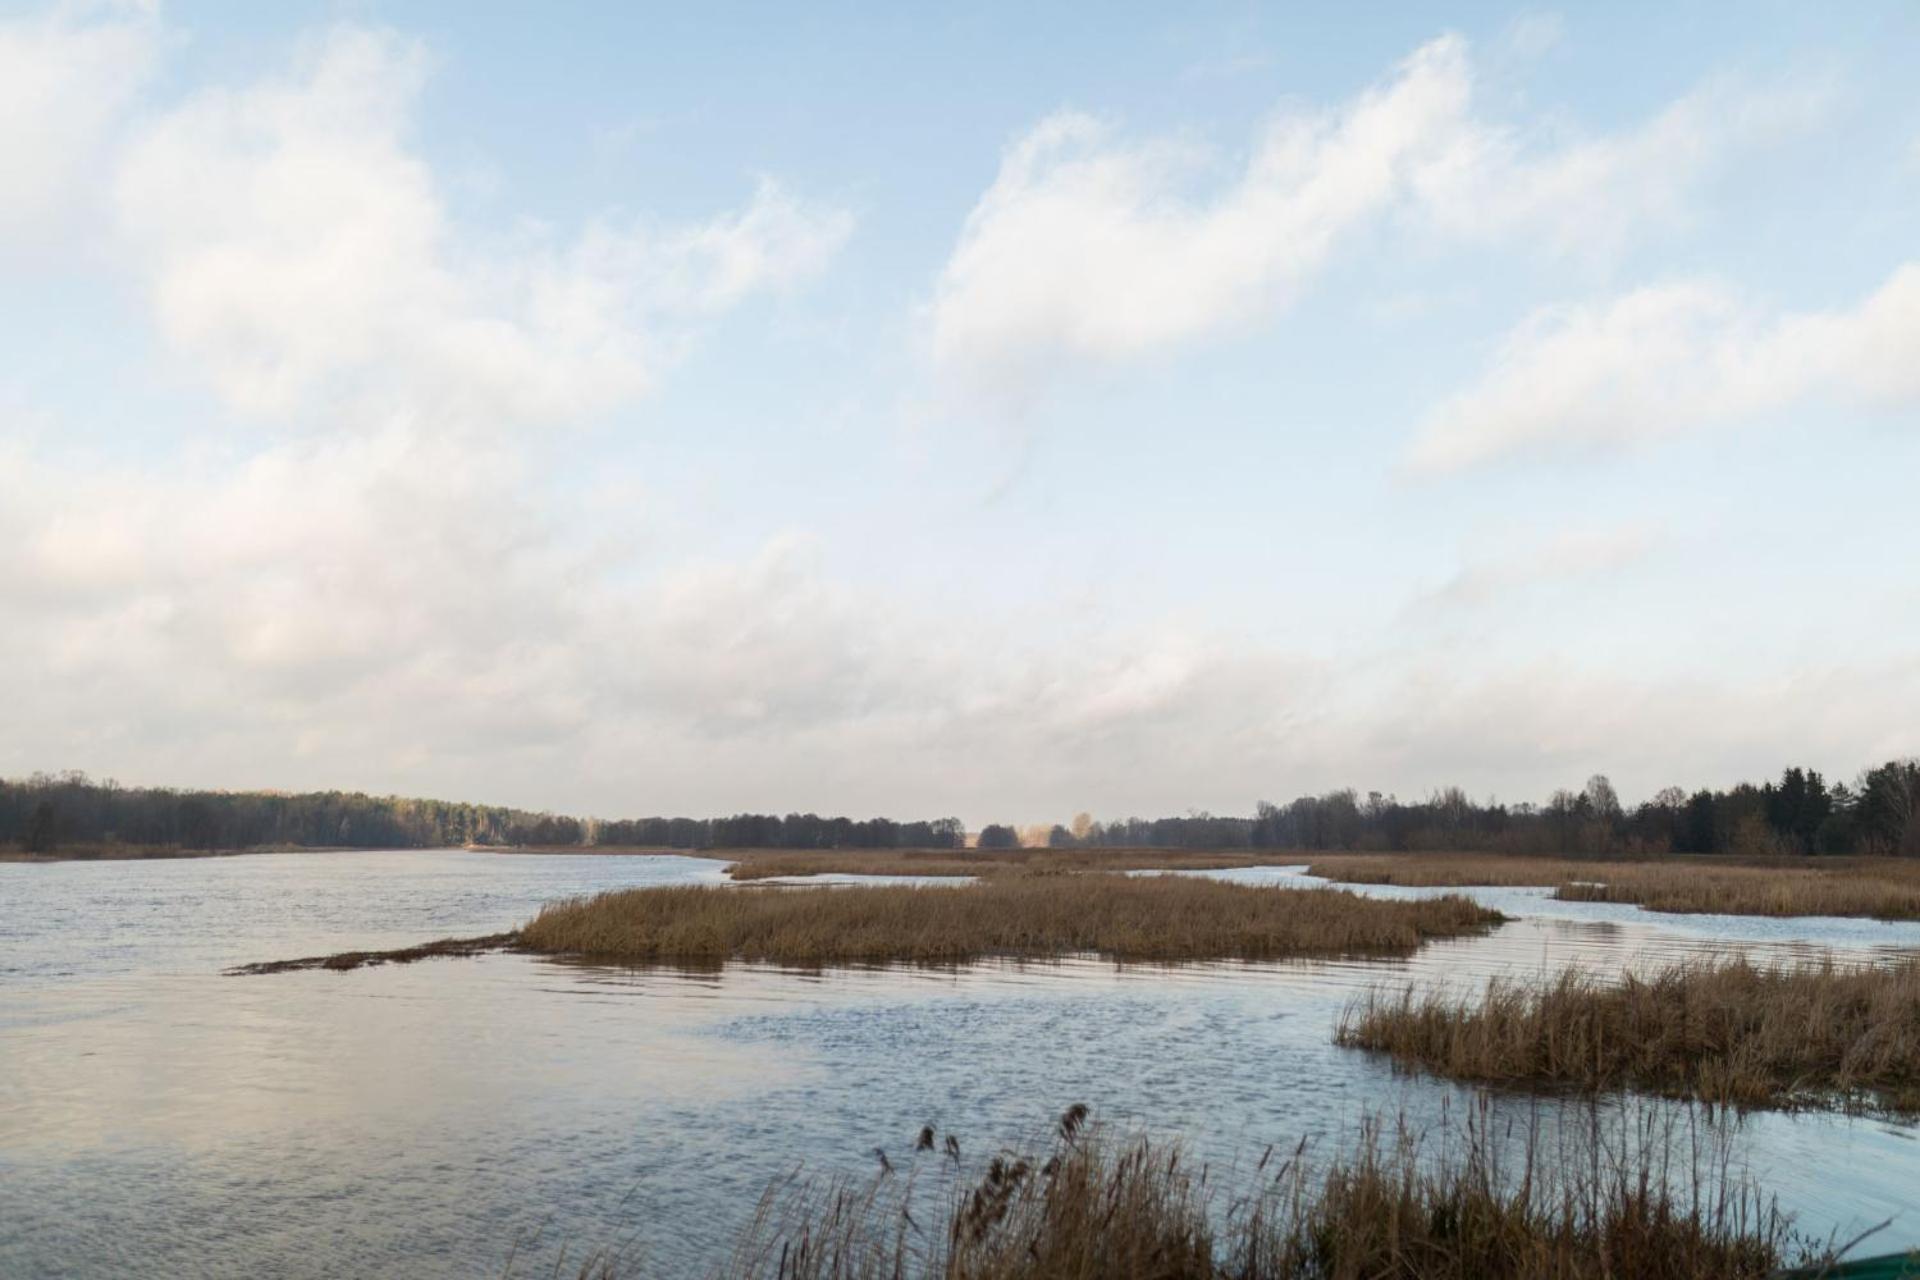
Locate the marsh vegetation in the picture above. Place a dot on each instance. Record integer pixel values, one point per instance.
(1630, 1197)
(1877, 888)
(1028, 916)
(1734, 1033)
(762, 864)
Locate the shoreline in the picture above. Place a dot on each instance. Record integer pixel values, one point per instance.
(169, 853)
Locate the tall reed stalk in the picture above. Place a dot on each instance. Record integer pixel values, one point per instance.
(1612, 1195)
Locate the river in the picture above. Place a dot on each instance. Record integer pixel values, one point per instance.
(431, 1120)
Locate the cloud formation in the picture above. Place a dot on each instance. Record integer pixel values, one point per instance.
(1091, 247)
(396, 609)
(1671, 358)
(1571, 556)
(302, 254)
(1593, 195)
(66, 79)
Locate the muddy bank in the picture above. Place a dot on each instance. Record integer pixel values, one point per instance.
(346, 960)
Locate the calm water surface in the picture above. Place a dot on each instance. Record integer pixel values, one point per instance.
(158, 1117)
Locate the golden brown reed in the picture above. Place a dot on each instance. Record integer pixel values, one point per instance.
(1729, 1032)
(1400, 1204)
(1453, 870)
(1881, 888)
(760, 864)
(1151, 918)
(1884, 889)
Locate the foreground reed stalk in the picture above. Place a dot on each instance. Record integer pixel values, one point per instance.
(1160, 918)
(1728, 1033)
(1596, 1197)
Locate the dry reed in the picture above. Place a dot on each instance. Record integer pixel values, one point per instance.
(1888, 889)
(760, 864)
(1728, 1033)
(1160, 918)
(1634, 1200)
(1880, 888)
(1454, 870)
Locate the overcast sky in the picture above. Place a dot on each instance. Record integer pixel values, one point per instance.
(995, 410)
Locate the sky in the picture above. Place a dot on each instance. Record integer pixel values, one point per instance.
(1003, 411)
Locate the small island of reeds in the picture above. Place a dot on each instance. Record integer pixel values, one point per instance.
(766, 864)
(1147, 918)
(1822, 1036)
(1874, 888)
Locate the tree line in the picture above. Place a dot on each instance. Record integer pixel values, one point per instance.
(1800, 813)
(45, 812)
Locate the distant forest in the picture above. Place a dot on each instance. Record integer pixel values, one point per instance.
(1800, 813)
(47, 811)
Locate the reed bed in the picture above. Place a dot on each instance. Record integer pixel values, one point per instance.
(1877, 888)
(760, 864)
(1732, 1033)
(1637, 1198)
(1889, 889)
(1160, 918)
(1454, 870)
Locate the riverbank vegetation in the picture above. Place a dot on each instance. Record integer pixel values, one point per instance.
(1727, 1033)
(1883, 889)
(767, 864)
(1877, 888)
(1637, 1199)
(1035, 916)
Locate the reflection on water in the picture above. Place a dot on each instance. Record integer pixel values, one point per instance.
(157, 1117)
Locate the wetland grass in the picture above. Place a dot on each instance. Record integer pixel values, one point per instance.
(1877, 888)
(760, 864)
(1030, 916)
(1631, 1198)
(1881, 889)
(1731, 1033)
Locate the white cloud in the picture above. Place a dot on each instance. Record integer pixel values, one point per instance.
(315, 563)
(66, 78)
(304, 255)
(393, 609)
(1091, 247)
(1574, 555)
(1592, 195)
(1087, 247)
(1669, 358)
(1533, 35)
(384, 610)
